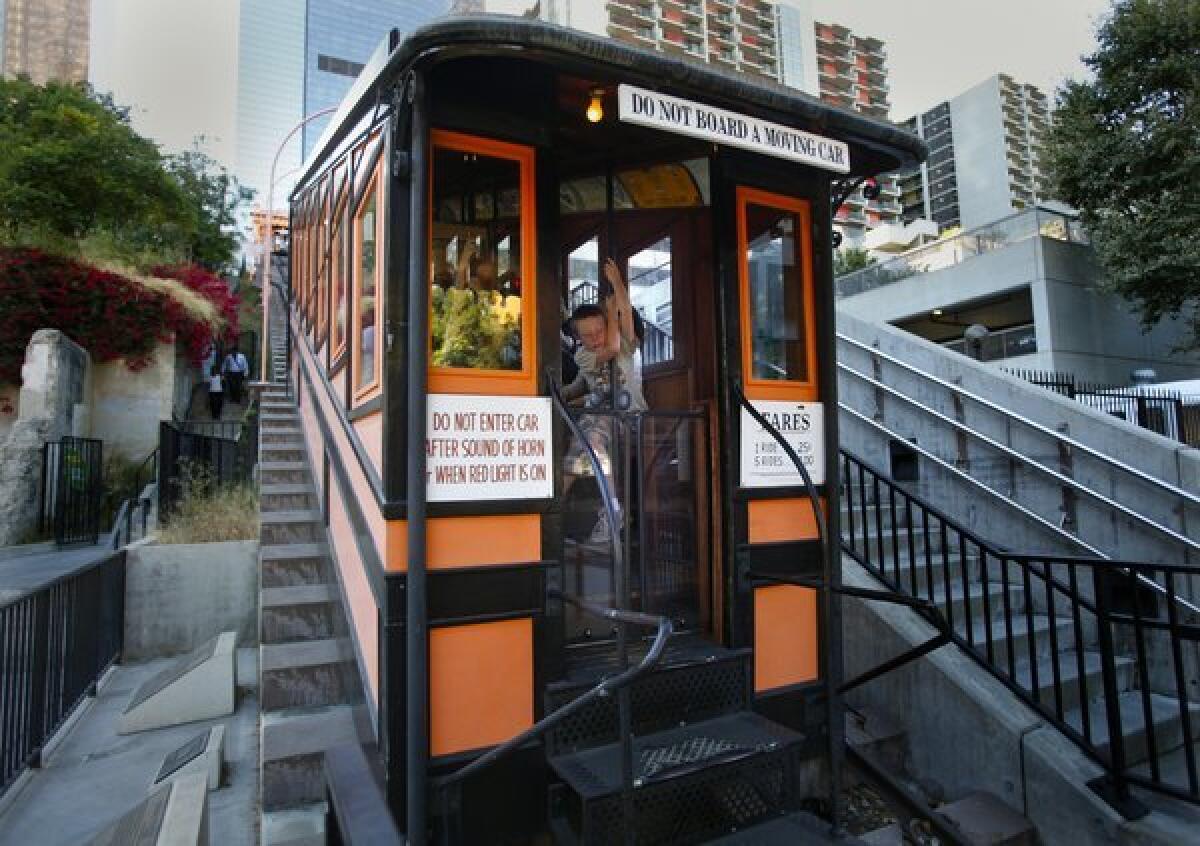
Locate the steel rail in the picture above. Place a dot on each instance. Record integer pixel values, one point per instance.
(1025, 461)
(1141, 475)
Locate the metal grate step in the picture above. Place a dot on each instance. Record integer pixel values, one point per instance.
(690, 784)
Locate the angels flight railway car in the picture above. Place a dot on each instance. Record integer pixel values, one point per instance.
(561, 332)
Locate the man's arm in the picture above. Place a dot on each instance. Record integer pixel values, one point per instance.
(623, 307)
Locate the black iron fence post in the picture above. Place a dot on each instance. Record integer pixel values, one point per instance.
(1113, 786)
(39, 680)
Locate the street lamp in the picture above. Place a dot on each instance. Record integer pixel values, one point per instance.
(269, 241)
(974, 335)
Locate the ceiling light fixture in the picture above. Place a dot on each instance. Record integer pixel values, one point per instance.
(595, 109)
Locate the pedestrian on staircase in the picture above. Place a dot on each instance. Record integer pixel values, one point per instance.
(235, 368)
(216, 395)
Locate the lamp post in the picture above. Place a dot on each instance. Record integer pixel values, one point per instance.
(269, 240)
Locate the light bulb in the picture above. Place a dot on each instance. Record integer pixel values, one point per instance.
(595, 109)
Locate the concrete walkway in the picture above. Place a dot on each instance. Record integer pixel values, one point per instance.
(95, 775)
(23, 568)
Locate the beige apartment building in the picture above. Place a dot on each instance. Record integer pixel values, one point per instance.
(44, 39)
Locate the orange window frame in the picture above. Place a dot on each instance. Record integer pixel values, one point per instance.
(467, 380)
(367, 391)
(325, 276)
(782, 389)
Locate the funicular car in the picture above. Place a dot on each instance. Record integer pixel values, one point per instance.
(603, 614)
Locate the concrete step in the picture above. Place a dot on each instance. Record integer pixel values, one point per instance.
(889, 835)
(275, 434)
(283, 565)
(288, 496)
(288, 527)
(985, 820)
(279, 418)
(300, 612)
(1073, 692)
(293, 451)
(292, 743)
(1064, 633)
(1165, 719)
(304, 674)
(283, 472)
(300, 826)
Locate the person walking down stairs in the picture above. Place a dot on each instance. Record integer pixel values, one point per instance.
(216, 395)
(234, 369)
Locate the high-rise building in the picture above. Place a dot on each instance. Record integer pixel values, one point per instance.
(340, 35)
(45, 39)
(270, 94)
(985, 155)
(831, 62)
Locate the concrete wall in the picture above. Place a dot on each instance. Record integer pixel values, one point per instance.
(178, 596)
(1100, 525)
(1081, 328)
(127, 405)
(52, 401)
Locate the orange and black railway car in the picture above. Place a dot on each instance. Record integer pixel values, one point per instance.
(562, 334)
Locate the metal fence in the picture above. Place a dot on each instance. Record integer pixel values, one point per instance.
(224, 452)
(56, 642)
(72, 489)
(954, 250)
(1169, 413)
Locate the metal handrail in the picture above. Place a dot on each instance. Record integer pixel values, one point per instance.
(1025, 421)
(1011, 503)
(1025, 461)
(1034, 571)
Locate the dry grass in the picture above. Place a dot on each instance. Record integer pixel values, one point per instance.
(210, 513)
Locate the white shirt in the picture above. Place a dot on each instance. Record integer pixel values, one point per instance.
(235, 363)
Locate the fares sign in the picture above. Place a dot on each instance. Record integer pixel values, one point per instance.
(687, 117)
(764, 463)
(488, 448)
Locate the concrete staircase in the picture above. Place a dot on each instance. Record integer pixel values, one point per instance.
(914, 561)
(310, 693)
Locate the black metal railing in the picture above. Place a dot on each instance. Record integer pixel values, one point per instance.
(133, 515)
(1170, 413)
(56, 642)
(211, 459)
(1106, 651)
(72, 490)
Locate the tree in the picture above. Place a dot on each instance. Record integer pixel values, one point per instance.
(72, 167)
(850, 259)
(1125, 151)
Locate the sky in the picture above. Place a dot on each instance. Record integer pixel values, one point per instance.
(939, 48)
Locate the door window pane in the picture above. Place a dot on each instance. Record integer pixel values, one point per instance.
(476, 253)
(583, 274)
(650, 293)
(778, 343)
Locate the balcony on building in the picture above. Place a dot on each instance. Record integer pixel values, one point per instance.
(638, 11)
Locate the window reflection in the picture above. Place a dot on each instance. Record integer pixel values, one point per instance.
(650, 294)
(777, 320)
(476, 254)
(366, 292)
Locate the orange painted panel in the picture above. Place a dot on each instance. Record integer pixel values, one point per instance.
(480, 684)
(370, 432)
(781, 520)
(785, 636)
(360, 601)
(470, 541)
